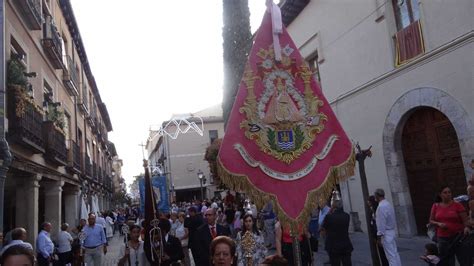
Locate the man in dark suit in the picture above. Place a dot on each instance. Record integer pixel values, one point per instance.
(205, 234)
(173, 252)
(338, 243)
(192, 223)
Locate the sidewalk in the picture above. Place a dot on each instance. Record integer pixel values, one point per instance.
(410, 250)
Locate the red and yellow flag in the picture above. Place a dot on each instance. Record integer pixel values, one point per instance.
(283, 142)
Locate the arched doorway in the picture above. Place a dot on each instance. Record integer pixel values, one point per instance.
(432, 157)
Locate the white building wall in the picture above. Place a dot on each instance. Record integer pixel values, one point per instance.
(355, 46)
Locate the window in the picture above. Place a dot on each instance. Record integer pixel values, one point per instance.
(79, 139)
(313, 63)
(406, 12)
(67, 128)
(64, 44)
(90, 102)
(17, 52)
(47, 97)
(213, 134)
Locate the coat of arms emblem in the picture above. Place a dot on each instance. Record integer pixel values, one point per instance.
(283, 121)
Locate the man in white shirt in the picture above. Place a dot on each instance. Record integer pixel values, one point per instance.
(385, 220)
(44, 245)
(19, 236)
(64, 245)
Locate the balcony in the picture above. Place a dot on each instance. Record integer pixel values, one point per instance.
(82, 100)
(409, 43)
(99, 175)
(74, 158)
(87, 166)
(31, 12)
(91, 119)
(52, 43)
(55, 144)
(102, 136)
(94, 171)
(70, 76)
(25, 119)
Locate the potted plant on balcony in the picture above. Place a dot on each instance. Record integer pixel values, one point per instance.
(19, 87)
(56, 116)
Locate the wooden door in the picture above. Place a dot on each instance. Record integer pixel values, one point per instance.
(432, 157)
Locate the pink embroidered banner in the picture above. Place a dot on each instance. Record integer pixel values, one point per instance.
(283, 142)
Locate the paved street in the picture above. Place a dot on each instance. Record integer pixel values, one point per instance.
(113, 251)
(410, 249)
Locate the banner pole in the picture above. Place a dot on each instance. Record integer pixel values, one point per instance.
(361, 155)
(296, 248)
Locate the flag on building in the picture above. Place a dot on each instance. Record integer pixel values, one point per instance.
(283, 142)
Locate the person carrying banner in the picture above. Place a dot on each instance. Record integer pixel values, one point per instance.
(133, 252)
(172, 250)
(283, 142)
(385, 220)
(192, 223)
(336, 227)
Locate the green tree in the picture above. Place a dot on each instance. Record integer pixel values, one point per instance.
(237, 42)
(121, 198)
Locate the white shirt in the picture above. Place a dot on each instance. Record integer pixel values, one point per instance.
(135, 255)
(109, 229)
(101, 221)
(14, 243)
(384, 217)
(44, 245)
(64, 242)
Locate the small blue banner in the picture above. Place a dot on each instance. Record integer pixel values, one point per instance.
(160, 189)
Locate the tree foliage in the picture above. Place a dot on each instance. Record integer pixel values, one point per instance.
(237, 43)
(121, 198)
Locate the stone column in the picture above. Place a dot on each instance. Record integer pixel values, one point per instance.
(27, 197)
(72, 205)
(52, 211)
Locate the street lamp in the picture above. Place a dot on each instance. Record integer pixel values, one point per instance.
(202, 180)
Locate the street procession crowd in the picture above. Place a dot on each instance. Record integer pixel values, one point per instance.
(233, 232)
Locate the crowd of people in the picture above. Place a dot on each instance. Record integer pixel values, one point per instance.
(233, 232)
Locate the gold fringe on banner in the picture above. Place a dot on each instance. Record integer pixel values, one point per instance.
(315, 197)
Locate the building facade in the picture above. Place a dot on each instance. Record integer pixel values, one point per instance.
(399, 76)
(57, 123)
(179, 152)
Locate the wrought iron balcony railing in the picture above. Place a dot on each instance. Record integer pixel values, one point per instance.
(31, 12)
(55, 144)
(70, 76)
(87, 166)
(94, 171)
(82, 99)
(74, 158)
(25, 120)
(52, 44)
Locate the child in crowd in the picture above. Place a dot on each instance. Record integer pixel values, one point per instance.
(431, 254)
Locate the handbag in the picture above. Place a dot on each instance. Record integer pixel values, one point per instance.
(431, 232)
(431, 228)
